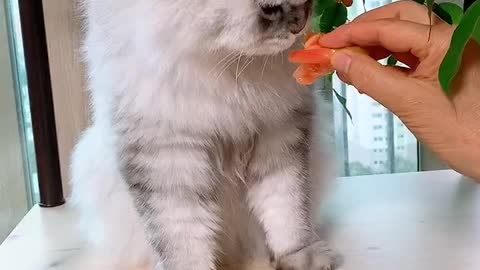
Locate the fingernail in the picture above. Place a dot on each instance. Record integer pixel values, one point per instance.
(341, 62)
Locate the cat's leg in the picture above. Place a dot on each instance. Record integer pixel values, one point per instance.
(281, 196)
(174, 188)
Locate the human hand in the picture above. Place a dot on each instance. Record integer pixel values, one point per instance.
(449, 126)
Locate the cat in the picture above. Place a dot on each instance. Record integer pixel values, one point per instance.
(203, 151)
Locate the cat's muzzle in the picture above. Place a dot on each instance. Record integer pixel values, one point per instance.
(295, 16)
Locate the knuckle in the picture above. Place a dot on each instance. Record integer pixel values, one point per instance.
(385, 28)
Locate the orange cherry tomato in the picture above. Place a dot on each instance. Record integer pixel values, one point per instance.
(307, 74)
(312, 56)
(315, 60)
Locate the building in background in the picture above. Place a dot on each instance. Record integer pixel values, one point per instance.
(374, 141)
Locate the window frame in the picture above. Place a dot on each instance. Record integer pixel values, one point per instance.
(41, 102)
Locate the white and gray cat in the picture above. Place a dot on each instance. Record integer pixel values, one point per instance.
(203, 150)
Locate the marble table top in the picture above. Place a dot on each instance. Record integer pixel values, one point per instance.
(414, 221)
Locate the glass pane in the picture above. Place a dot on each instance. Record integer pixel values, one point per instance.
(17, 159)
(375, 141)
(23, 102)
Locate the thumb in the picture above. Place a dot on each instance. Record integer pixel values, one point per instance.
(386, 85)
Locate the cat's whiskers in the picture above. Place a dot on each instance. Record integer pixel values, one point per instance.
(238, 66)
(264, 65)
(225, 58)
(248, 62)
(227, 65)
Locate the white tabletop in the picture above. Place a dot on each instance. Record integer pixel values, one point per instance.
(416, 221)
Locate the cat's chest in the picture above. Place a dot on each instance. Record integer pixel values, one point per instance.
(192, 97)
(205, 108)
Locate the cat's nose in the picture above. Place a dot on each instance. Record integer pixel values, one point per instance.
(297, 17)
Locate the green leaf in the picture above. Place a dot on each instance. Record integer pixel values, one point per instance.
(476, 34)
(444, 15)
(319, 6)
(332, 17)
(391, 61)
(449, 12)
(316, 22)
(469, 28)
(330, 77)
(343, 101)
(455, 11)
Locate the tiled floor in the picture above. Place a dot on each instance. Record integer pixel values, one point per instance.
(420, 221)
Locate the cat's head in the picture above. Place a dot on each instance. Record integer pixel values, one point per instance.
(251, 27)
(248, 27)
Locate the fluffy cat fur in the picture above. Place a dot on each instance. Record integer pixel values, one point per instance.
(203, 151)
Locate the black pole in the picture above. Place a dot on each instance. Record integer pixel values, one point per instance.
(467, 4)
(41, 102)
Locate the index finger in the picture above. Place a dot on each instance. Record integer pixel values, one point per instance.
(394, 35)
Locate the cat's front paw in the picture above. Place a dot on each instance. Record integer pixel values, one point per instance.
(317, 256)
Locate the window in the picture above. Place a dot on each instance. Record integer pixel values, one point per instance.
(372, 4)
(25, 84)
(17, 165)
(23, 100)
(374, 141)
